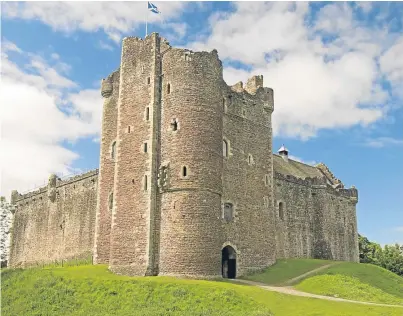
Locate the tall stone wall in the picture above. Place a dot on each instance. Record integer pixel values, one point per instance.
(315, 220)
(107, 164)
(54, 223)
(132, 235)
(191, 154)
(248, 175)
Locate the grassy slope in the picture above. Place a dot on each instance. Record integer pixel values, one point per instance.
(92, 290)
(286, 269)
(369, 274)
(347, 287)
(363, 282)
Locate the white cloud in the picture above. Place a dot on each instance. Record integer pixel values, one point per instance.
(39, 111)
(114, 18)
(392, 66)
(380, 142)
(324, 73)
(105, 46)
(309, 162)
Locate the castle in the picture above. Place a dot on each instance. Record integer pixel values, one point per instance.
(187, 183)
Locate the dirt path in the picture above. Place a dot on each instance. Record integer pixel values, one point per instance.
(290, 291)
(297, 278)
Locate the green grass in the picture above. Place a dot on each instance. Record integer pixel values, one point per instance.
(92, 290)
(286, 269)
(347, 287)
(369, 274)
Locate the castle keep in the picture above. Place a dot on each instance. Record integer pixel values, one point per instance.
(187, 183)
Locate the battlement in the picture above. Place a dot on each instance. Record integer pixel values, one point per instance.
(107, 84)
(320, 183)
(326, 171)
(54, 182)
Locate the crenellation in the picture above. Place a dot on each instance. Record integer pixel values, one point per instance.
(188, 184)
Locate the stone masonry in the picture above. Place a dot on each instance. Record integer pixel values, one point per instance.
(187, 184)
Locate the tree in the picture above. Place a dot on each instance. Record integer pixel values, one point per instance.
(6, 216)
(390, 257)
(368, 250)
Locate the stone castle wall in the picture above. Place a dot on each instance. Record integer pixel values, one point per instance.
(108, 144)
(248, 175)
(191, 236)
(314, 220)
(55, 222)
(186, 168)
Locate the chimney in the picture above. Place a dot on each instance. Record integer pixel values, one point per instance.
(283, 152)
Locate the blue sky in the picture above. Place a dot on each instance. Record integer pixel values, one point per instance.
(336, 70)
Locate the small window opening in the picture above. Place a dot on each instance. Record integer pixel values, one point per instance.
(147, 113)
(223, 105)
(281, 210)
(113, 150)
(225, 148)
(169, 88)
(148, 80)
(266, 179)
(128, 129)
(145, 183)
(132, 181)
(250, 159)
(110, 202)
(184, 171)
(243, 112)
(228, 212)
(145, 147)
(229, 100)
(266, 201)
(187, 57)
(174, 125)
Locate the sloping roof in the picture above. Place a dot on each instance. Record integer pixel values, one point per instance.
(295, 168)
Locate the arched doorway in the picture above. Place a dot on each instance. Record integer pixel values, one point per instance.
(228, 262)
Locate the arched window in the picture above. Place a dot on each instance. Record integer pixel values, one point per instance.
(110, 202)
(225, 148)
(169, 88)
(113, 150)
(281, 210)
(228, 212)
(184, 171)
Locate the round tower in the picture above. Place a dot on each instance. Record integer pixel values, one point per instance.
(191, 164)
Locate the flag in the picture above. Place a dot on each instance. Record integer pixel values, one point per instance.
(153, 8)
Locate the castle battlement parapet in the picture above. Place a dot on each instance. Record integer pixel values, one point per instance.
(54, 183)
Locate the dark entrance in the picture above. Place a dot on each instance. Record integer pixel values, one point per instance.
(228, 262)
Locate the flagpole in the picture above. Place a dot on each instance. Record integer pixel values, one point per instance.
(146, 20)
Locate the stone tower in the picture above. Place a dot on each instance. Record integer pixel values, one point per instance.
(163, 186)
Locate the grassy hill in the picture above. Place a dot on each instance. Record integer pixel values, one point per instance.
(355, 281)
(286, 269)
(93, 290)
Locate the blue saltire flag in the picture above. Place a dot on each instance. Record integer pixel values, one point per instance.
(153, 8)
